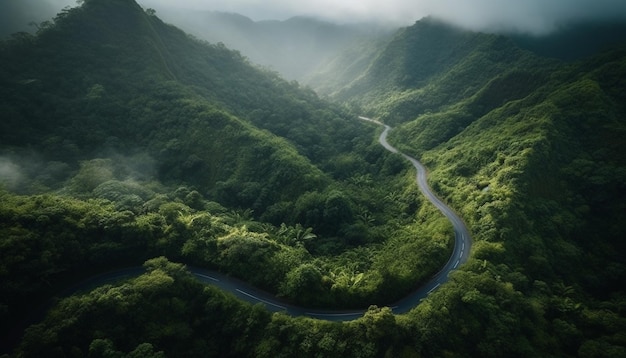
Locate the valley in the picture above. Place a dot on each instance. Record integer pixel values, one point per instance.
(269, 219)
(460, 254)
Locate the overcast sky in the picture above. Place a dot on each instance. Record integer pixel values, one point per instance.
(534, 16)
(522, 15)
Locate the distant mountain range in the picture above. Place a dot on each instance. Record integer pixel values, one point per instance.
(294, 47)
(22, 15)
(300, 47)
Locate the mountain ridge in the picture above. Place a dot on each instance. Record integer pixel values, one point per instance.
(428, 65)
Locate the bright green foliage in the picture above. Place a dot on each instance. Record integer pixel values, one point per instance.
(305, 283)
(539, 181)
(530, 153)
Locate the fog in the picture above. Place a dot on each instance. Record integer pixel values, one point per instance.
(528, 16)
(29, 173)
(10, 173)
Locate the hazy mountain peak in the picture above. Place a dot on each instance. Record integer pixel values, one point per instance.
(294, 47)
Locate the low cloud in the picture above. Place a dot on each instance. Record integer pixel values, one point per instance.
(10, 173)
(27, 173)
(530, 16)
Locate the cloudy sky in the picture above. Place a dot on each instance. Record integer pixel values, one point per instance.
(521, 15)
(533, 16)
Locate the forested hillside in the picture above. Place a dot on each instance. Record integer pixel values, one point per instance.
(544, 178)
(88, 86)
(529, 151)
(431, 65)
(123, 140)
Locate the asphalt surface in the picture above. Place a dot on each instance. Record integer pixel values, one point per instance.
(462, 237)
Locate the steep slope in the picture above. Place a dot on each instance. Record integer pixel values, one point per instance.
(64, 98)
(431, 65)
(529, 153)
(347, 65)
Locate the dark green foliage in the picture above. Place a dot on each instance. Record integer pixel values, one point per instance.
(167, 313)
(183, 318)
(64, 97)
(530, 153)
(140, 131)
(199, 157)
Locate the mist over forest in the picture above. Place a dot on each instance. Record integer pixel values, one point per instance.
(239, 179)
(298, 41)
(530, 17)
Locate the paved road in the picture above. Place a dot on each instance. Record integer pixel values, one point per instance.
(462, 238)
(251, 294)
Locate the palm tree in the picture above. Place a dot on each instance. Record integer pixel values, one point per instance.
(293, 236)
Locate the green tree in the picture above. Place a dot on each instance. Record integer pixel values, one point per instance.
(296, 235)
(303, 284)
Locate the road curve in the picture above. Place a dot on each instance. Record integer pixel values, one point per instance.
(462, 237)
(253, 295)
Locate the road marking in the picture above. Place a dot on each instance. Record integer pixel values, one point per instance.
(463, 246)
(456, 264)
(461, 255)
(209, 277)
(434, 288)
(261, 300)
(333, 314)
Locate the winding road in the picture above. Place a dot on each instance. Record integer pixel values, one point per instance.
(462, 237)
(253, 295)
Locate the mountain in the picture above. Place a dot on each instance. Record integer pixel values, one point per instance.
(529, 151)
(75, 68)
(125, 140)
(294, 47)
(540, 180)
(430, 65)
